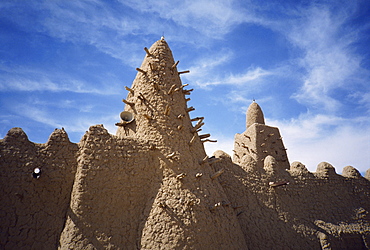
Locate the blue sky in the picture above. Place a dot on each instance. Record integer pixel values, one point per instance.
(65, 64)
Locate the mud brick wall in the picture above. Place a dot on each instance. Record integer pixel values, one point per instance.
(321, 210)
(115, 184)
(152, 186)
(33, 210)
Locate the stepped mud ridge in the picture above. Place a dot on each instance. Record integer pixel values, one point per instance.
(152, 185)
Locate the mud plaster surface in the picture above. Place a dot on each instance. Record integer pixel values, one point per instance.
(151, 186)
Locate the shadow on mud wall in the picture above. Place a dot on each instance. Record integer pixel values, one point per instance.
(256, 207)
(286, 216)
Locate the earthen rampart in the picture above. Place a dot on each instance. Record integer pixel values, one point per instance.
(152, 186)
(33, 209)
(304, 211)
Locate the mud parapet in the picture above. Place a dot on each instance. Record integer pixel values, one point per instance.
(33, 206)
(152, 185)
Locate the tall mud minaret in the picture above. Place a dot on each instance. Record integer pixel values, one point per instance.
(158, 106)
(151, 186)
(259, 141)
(185, 211)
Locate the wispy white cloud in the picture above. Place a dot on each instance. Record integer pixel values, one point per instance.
(30, 79)
(210, 18)
(313, 125)
(252, 75)
(208, 72)
(37, 114)
(75, 122)
(326, 62)
(363, 99)
(97, 25)
(111, 29)
(117, 30)
(82, 22)
(328, 58)
(312, 139)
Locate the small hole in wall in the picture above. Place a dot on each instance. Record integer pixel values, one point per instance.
(36, 173)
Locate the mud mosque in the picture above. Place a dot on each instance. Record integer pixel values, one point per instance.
(152, 185)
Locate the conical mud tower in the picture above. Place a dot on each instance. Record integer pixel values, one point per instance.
(158, 102)
(183, 211)
(152, 186)
(161, 191)
(259, 141)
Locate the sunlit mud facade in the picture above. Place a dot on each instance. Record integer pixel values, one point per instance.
(152, 186)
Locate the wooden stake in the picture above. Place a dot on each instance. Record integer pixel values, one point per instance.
(142, 71)
(127, 102)
(197, 119)
(184, 72)
(204, 136)
(121, 124)
(147, 51)
(171, 89)
(278, 184)
(190, 109)
(141, 97)
(187, 91)
(205, 160)
(128, 89)
(170, 155)
(184, 85)
(180, 176)
(208, 140)
(175, 65)
(192, 140)
(217, 174)
(151, 67)
(197, 126)
(167, 110)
